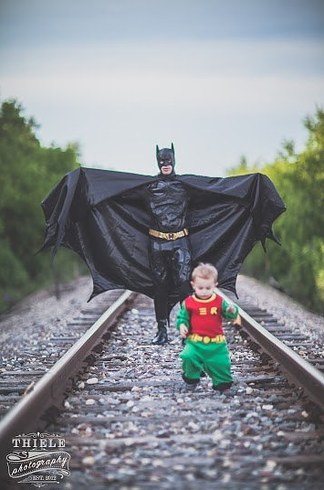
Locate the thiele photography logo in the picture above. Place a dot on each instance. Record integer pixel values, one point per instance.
(38, 458)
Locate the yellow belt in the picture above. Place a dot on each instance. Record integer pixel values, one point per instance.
(173, 235)
(198, 338)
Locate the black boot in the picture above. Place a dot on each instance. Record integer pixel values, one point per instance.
(161, 336)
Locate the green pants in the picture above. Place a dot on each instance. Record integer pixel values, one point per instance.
(212, 358)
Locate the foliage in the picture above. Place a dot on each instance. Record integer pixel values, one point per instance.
(297, 266)
(28, 172)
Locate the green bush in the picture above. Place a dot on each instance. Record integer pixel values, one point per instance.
(13, 277)
(28, 171)
(297, 266)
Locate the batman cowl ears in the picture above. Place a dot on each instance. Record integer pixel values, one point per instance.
(165, 156)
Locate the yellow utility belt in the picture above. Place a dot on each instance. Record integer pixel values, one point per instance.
(206, 340)
(173, 235)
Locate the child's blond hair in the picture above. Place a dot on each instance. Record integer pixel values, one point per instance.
(205, 271)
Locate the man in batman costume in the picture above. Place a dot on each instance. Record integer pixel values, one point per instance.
(145, 233)
(169, 247)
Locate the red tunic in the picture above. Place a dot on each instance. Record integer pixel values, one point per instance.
(205, 315)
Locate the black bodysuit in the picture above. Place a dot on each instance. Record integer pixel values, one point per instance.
(167, 201)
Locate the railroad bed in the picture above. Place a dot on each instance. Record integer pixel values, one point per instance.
(130, 422)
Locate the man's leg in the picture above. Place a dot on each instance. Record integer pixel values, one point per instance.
(159, 272)
(181, 267)
(161, 313)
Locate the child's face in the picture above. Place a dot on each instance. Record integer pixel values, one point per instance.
(203, 287)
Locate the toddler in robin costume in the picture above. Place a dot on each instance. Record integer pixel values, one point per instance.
(199, 321)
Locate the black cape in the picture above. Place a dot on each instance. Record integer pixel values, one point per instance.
(100, 215)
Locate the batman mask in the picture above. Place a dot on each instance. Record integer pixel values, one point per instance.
(165, 157)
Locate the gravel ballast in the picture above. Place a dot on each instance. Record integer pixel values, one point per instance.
(41, 314)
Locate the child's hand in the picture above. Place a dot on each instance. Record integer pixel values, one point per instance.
(238, 321)
(183, 330)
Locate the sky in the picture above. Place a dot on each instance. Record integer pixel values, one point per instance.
(221, 79)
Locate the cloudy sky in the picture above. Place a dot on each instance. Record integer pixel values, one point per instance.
(218, 78)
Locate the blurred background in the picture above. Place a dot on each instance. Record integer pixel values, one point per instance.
(236, 86)
(219, 78)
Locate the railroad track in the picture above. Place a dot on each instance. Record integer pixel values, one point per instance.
(129, 422)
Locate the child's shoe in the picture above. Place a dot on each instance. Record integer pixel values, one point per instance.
(222, 387)
(190, 381)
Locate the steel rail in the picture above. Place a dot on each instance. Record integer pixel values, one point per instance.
(25, 415)
(296, 369)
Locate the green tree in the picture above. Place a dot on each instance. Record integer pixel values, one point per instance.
(28, 172)
(298, 264)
